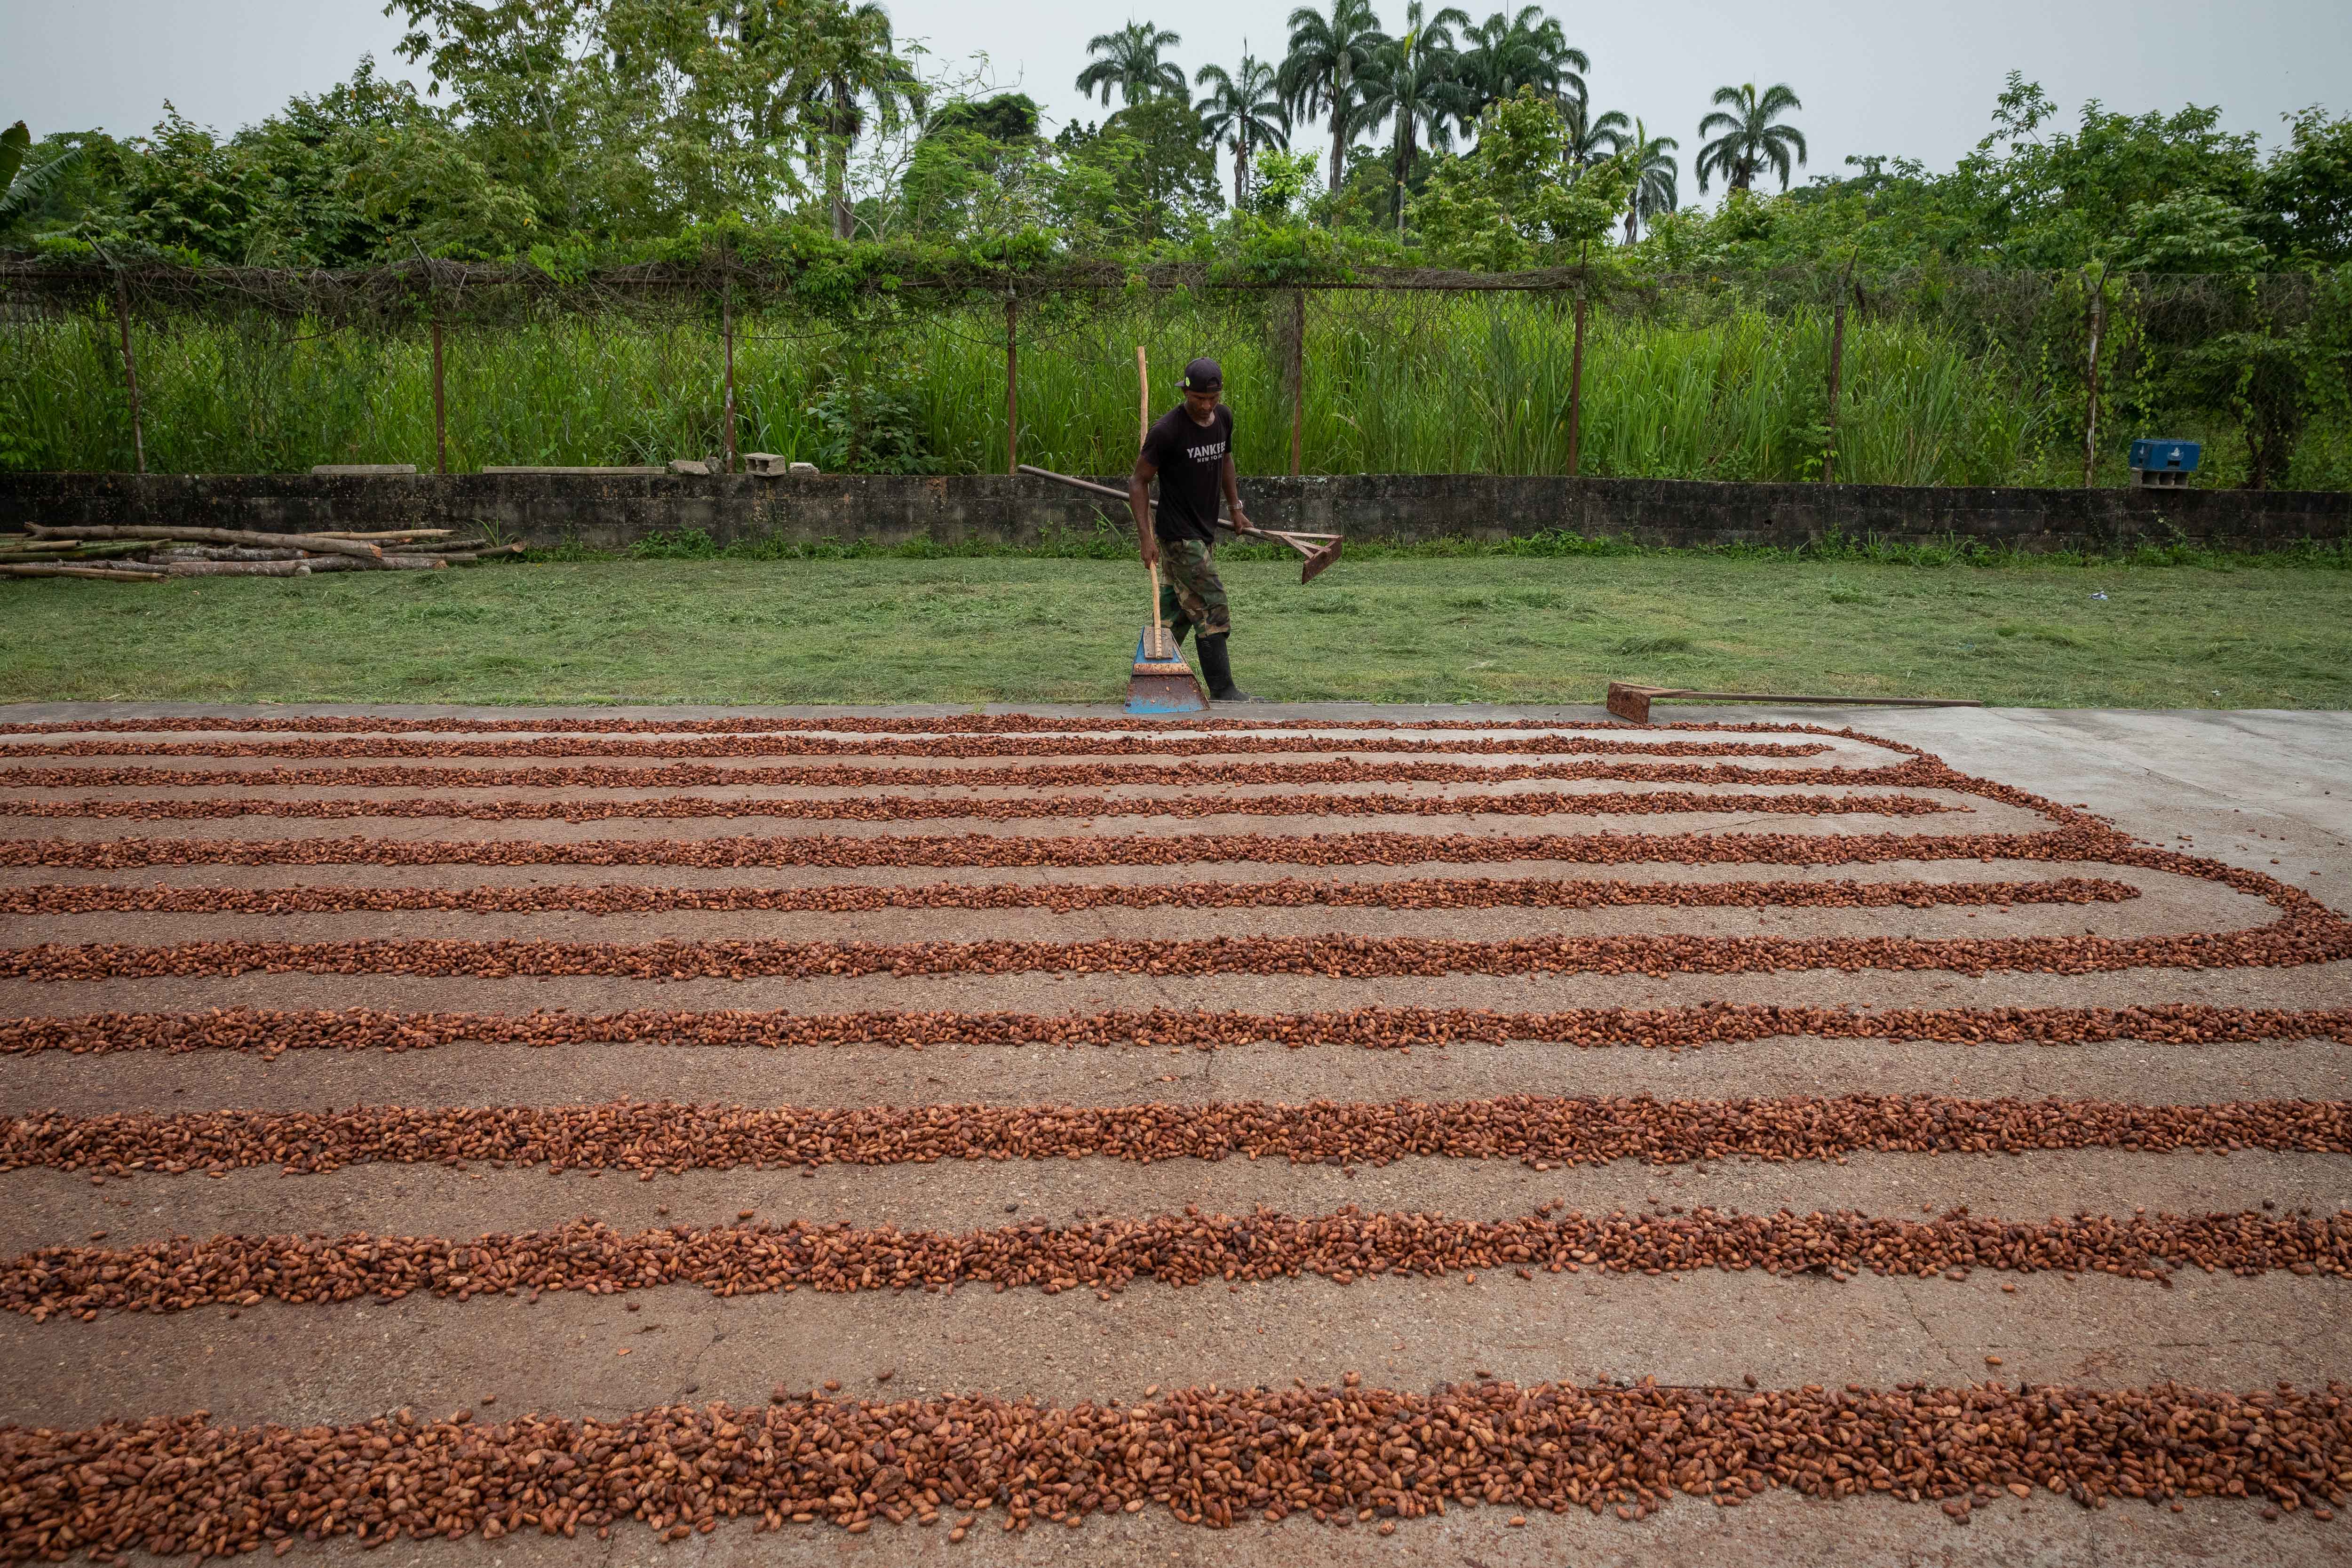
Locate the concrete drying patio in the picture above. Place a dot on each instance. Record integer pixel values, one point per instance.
(2220, 794)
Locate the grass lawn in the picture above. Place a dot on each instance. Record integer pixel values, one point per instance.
(1025, 629)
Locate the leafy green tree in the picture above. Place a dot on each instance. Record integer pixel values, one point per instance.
(1279, 184)
(975, 169)
(1244, 112)
(1504, 54)
(1130, 60)
(1007, 117)
(1507, 203)
(1651, 160)
(1321, 75)
(2306, 196)
(1411, 85)
(27, 183)
(1586, 138)
(848, 74)
(528, 80)
(1752, 139)
(2054, 200)
(2256, 376)
(1149, 175)
(187, 191)
(621, 119)
(367, 172)
(2194, 232)
(71, 181)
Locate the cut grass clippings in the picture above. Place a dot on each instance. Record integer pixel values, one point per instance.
(1390, 627)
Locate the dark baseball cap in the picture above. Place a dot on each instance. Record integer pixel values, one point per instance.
(1203, 376)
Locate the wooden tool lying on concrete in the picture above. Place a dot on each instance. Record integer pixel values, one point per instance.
(1318, 555)
(1632, 702)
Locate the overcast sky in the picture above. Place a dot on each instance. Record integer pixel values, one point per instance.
(1907, 79)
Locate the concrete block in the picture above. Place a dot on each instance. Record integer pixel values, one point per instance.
(695, 466)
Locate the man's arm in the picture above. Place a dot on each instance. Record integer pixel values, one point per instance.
(1138, 501)
(1232, 481)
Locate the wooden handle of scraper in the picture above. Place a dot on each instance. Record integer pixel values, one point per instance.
(1142, 432)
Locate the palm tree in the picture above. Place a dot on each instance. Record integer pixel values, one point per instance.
(1504, 54)
(1244, 111)
(1589, 137)
(1319, 77)
(1130, 60)
(1750, 140)
(1411, 83)
(1656, 177)
(849, 63)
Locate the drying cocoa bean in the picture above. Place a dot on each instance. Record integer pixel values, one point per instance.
(178, 1484)
(2299, 937)
(640, 1135)
(1916, 773)
(987, 849)
(990, 808)
(182, 1273)
(941, 745)
(956, 724)
(1062, 898)
(271, 1033)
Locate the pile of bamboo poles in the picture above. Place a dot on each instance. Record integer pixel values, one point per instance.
(142, 554)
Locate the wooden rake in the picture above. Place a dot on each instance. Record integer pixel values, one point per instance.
(1323, 549)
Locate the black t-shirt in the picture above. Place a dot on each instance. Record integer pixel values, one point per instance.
(1191, 458)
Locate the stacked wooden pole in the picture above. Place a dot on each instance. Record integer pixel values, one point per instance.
(144, 553)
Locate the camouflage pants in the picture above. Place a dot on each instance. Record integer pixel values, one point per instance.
(1190, 595)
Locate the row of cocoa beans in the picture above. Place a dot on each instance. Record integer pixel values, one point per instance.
(1087, 745)
(271, 1032)
(995, 850)
(182, 1273)
(1352, 1455)
(1542, 1131)
(1917, 771)
(2295, 939)
(956, 724)
(1061, 898)
(991, 808)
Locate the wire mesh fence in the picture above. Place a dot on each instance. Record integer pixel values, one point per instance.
(1926, 378)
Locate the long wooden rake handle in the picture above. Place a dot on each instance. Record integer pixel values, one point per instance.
(1288, 535)
(1160, 648)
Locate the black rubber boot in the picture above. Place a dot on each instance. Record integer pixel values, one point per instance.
(1219, 670)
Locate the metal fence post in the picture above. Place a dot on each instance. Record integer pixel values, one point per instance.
(1575, 390)
(440, 407)
(1011, 384)
(130, 368)
(1298, 378)
(727, 339)
(1837, 365)
(2091, 411)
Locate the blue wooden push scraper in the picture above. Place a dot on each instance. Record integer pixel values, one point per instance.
(1162, 682)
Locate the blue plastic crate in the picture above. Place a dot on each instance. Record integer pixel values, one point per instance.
(2162, 453)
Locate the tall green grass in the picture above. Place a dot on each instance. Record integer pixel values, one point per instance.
(1412, 385)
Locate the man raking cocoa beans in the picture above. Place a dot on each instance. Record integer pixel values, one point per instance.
(1190, 451)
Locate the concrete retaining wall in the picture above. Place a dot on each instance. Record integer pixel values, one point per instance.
(611, 511)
